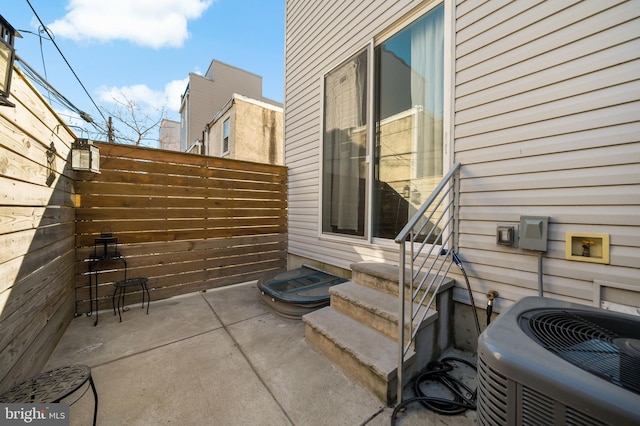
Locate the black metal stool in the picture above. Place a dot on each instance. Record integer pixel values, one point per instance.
(52, 386)
(120, 290)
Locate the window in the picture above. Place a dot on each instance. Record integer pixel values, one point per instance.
(409, 113)
(344, 166)
(225, 137)
(408, 109)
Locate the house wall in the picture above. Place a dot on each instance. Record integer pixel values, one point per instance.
(201, 100)
(545, 123)
(319, 36)
(169, 135)
(258, 133)
(37, 237)
(255, 131)
(208, 94)
(213, 144)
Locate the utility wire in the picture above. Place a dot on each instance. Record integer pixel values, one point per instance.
(58, 98)
(44, 64)
(46, 30)
(42, 82)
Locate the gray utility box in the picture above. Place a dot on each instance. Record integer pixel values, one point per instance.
(533, 232)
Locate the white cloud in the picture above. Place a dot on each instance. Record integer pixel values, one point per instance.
(173, 92)
(145, 97)
(149, 23)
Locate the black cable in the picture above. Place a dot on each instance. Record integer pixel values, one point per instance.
(44, 64)
(464, 398)
(41, 81)
(46, 30)
(466, 278)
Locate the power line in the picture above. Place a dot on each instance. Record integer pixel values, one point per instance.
(46, 30)
(42, 82)
(58, 98)
(44, 64)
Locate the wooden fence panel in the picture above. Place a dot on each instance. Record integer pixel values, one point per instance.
(37, 230)
(186, 222)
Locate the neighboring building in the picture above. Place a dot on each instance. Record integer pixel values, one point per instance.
(539, 102)
(245, 126)
(246, 129)
(208, 94)
(169, 135)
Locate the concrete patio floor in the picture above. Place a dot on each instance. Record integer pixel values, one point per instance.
(215, 358)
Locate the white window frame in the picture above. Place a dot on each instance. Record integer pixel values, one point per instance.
(447, 125)
(226, 128)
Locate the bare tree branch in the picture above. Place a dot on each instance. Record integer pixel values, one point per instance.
(134, 124)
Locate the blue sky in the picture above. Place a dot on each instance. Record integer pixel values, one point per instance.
(147, 48)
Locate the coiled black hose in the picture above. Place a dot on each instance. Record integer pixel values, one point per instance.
(464, 398)
(437, 372)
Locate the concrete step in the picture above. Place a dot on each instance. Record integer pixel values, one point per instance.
(385, 277)
(362, 353)
(376, 309)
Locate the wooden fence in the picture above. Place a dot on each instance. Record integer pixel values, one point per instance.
(187, 223)
(36, 232)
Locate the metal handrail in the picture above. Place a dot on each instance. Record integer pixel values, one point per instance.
(429, 259)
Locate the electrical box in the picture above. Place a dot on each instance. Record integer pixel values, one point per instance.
(533, 232)
(506, 235)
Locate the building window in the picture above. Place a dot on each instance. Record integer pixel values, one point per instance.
(225, 137)
(344, 165)
(406, 144)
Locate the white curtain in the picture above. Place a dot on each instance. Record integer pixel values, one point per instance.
(345, 117)
(427, 92)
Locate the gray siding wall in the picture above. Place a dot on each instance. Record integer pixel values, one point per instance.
(201, 104)
(546, 122)
(320, 35)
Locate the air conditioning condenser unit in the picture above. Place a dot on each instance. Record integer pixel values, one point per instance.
(550, 362)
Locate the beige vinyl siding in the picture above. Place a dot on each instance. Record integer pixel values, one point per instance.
(319, 36)
(547, 122)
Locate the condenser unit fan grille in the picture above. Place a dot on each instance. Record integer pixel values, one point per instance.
(604, 345)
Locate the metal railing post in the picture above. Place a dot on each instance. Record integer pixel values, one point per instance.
(399, 374)
(440, 198)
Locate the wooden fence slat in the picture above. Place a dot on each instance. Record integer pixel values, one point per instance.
(186, 170)
(172, 157)
(185, 222)
(99, 201)
(94, 227)
(95, 214)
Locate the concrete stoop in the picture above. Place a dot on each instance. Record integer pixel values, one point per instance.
(358, 332)
(363, 354)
